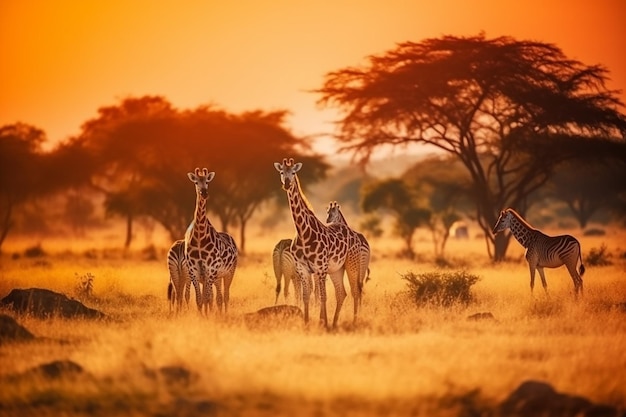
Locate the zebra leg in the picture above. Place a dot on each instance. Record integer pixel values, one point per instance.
(278, 279)
(187, 292)
(304, 277)
(543, 279)
(578, 281)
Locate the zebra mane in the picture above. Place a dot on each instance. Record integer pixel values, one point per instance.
(519, 218)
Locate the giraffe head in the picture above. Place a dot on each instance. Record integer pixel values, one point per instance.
(201, 178)
(504, 221)
(287, 172)
(333, 214)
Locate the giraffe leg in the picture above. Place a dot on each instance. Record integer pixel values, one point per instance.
(194, 280)
(340, 293)
(532, 278)
(219, 294)
(321, 283)
(228, 279)
(354, 271)
(543, 279)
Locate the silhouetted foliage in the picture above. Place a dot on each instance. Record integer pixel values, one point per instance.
(144, 149)
(509, 110)
(23, 174)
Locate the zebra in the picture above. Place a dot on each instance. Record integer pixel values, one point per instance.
(179, 279)
(285, 266)
(543, 251)
(359, 251)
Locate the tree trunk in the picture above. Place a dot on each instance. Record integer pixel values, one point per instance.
(129, 231)
(242, 235)
(6, 224)
(501, 244)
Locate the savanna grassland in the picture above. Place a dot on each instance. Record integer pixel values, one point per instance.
(399, 359)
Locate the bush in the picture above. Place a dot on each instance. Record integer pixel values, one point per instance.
(441, 288)
(34, 252)
(598, 256)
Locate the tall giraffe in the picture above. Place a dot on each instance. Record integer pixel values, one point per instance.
(543, 251)
(211, 256)
(358, 254)
(318, 249)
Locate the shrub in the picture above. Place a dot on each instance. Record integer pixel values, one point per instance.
(598, 256)
(440, 288)
(84, 285)
(34, 252)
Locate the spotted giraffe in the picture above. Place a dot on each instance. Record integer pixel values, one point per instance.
(318, 249)
(543, 251)
(211, 256)
(179, 280)
(358, 254)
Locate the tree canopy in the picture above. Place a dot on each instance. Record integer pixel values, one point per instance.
(143, 148)
(509, 110)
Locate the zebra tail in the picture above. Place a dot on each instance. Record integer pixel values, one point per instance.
(170, 289)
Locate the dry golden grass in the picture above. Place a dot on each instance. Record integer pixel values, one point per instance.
(398, 360)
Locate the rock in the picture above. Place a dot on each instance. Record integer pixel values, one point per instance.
(11, 330)
(59, 369)
(535, 398)
(481, 316)
(275, 315)
(44, 303)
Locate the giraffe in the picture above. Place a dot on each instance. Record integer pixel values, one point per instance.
(543, 251)
(179, 280)
(211, 256)
(358, 255)
(318, 249)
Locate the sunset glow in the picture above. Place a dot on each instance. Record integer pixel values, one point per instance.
(62, 60)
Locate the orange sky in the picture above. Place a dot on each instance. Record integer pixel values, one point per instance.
(62, 59)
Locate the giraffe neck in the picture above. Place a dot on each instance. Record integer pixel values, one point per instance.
(203, 231)
(521, 230)
(301, 212)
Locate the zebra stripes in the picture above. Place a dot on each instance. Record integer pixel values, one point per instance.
(543, 251)
(179, 280)
(284, 265)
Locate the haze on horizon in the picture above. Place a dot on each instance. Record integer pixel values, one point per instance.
(62, 60)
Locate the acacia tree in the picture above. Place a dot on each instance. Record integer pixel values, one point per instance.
(509, 110)
(445, 187)
(21, 173)
(396, 196)
(588, 187)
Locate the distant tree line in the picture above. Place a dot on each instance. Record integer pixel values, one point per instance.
(136, 155)
(520, 119)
